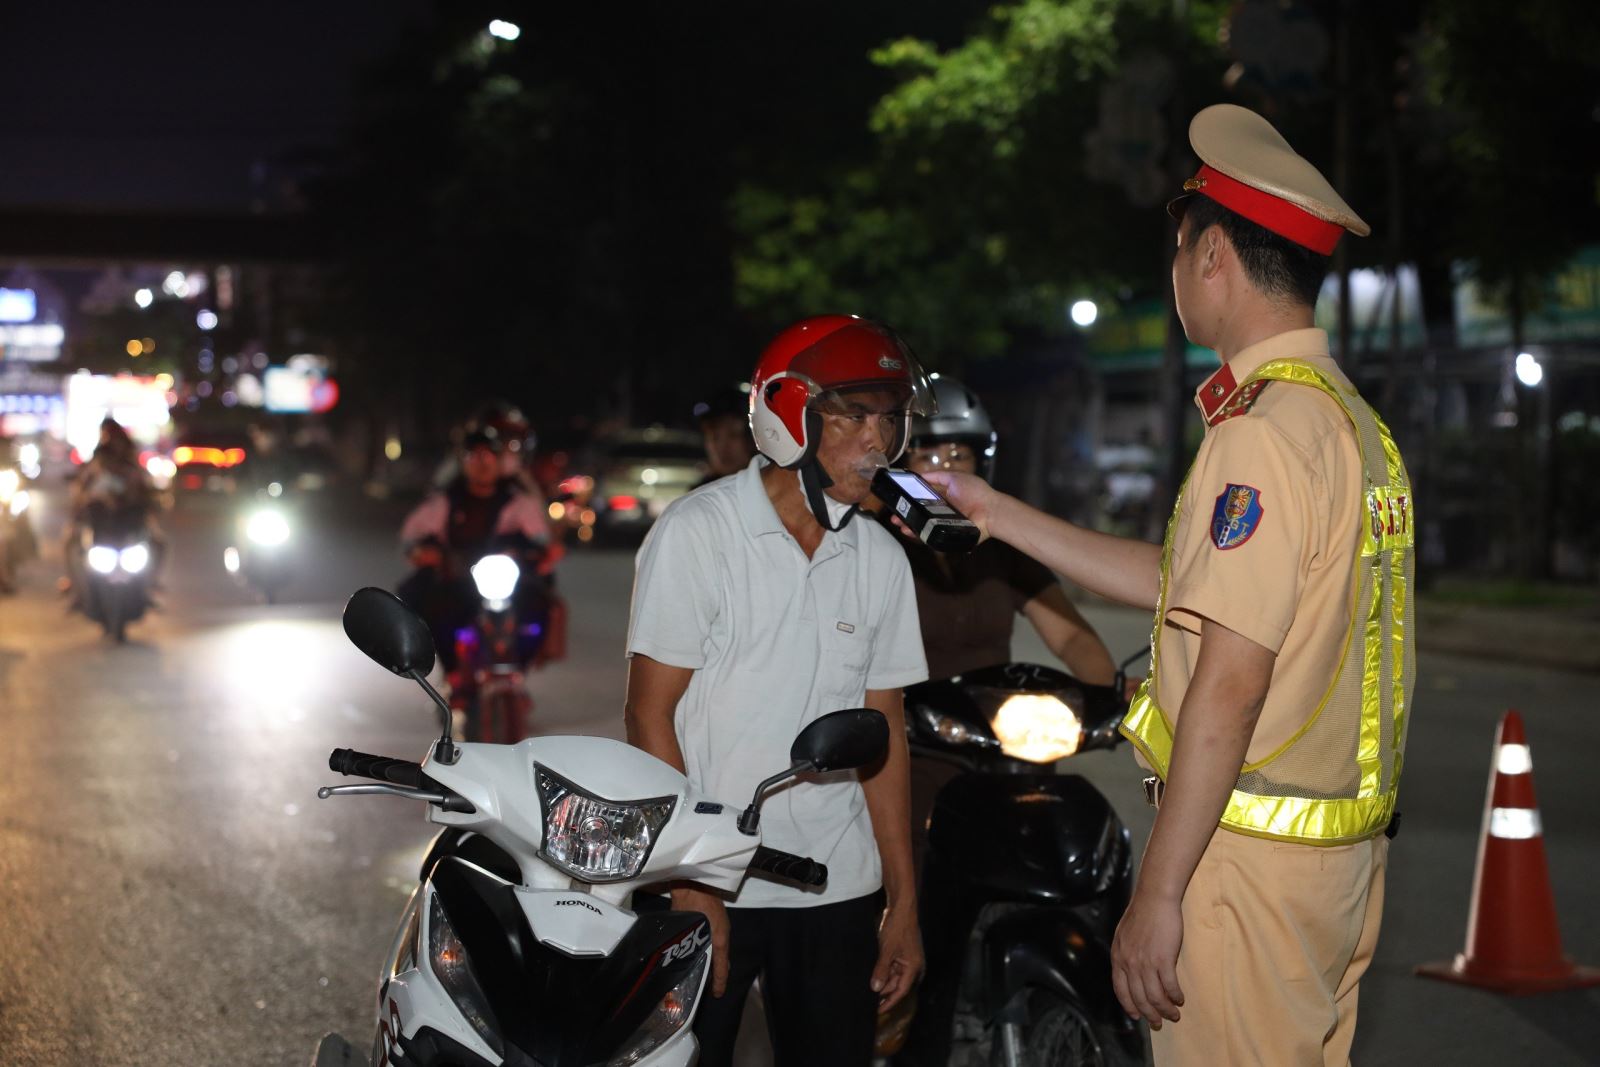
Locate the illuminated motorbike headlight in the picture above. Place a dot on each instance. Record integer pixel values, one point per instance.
(594, 839)
(1037, 727)
(267, 528)
(448, 957)
(19, 503)
(135, 558)
(496, 578)
(10, 482)
(102, 559)
(671, 1013)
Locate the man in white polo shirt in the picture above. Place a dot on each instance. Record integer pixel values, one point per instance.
(757, 607)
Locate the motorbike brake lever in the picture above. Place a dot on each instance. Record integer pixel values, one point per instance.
(447, 801)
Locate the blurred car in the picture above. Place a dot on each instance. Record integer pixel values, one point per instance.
(202, 461)
(640, 472)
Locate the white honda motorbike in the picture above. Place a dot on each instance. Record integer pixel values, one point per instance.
(519, 946)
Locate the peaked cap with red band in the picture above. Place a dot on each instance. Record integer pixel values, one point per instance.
(1250, 169)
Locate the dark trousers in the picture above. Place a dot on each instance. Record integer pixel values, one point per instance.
(815, 966)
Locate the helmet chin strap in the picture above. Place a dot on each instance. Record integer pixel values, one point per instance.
(828, 511)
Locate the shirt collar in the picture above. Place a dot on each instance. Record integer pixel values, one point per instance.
(761, 518)
(1216, 391)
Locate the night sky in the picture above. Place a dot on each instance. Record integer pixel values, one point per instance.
(155, 106)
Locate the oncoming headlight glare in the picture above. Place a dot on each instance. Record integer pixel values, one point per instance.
(135, 558)
(267, 527)
(594, 839)
(102, 559)
(496, 578)
(1037, 728)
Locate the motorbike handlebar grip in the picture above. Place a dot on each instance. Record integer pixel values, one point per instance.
(788, 866)
(348, 761)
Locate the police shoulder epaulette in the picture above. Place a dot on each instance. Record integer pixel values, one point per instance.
(1242, 401)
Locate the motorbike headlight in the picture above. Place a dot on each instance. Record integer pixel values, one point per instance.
(10, 481)
(267, 528)
(135, 558)
(496, 578)
(19, 503)
(1037, 727)
(952, 731)
(448, 957)
(594, 839)
(670, 1014)
(102, 559)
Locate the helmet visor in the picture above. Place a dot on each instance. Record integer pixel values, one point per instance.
(865, 357)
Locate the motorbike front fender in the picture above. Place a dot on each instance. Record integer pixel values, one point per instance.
(1049, 949)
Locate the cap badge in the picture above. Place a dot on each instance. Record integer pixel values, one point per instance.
(1193, 184)
(1216, 389)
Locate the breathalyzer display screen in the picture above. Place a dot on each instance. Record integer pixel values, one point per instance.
(919, 489)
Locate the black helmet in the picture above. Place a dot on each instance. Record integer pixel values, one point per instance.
(733, 400)
(961, 420)
(508, 425)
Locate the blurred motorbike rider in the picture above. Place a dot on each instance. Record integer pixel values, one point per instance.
(111, 484)
(478, 512)
(724, 420)
(968, 602)
(759, 606)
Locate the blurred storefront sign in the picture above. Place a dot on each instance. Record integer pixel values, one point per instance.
(18, 305)
(31, 342)
(298, 390)
(139, 403)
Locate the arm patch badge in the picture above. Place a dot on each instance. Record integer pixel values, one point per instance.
(1236, 516)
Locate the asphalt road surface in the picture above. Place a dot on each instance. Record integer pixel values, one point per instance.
(176, 894)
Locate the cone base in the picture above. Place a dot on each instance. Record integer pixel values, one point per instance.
(1457, 971)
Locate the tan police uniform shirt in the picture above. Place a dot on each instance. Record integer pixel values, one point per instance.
(1266, 534)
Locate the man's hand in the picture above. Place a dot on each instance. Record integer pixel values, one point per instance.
(1144, 959)
(971, 495)
(710, 905)
(899, 957)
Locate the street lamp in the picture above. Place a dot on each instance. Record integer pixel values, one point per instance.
(1529, 370)
(506, 31)
(1084, 312)
(144, 297)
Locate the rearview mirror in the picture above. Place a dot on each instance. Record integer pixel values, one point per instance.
(391, 634)
(842, 740)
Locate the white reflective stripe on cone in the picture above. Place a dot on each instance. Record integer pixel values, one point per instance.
(1514, 759)
(1515, 824)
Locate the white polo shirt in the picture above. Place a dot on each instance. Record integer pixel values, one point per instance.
(776, 640)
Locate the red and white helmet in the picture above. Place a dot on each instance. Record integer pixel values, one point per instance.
(824, 355)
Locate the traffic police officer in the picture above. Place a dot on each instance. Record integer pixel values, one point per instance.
(1277, 706)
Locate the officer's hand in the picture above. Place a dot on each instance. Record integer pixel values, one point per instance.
(711, 906)
(899, 957)
(1144, 959)
(971, 495)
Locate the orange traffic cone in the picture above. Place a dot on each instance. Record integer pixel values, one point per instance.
(1513, 945)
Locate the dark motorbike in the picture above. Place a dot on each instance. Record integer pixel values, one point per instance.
(115, 590)
(1025, 873)
(262, 555)
(512, 622)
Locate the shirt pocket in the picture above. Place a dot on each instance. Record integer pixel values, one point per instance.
(849, 654)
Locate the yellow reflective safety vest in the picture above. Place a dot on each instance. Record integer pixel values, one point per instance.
(1354, 739)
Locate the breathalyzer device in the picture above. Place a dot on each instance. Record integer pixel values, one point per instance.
(929, 515)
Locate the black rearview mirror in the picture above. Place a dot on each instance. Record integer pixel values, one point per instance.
(391, 634)
(842, 740)
(838, 741)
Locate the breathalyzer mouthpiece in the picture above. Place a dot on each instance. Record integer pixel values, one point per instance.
(871, 464)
